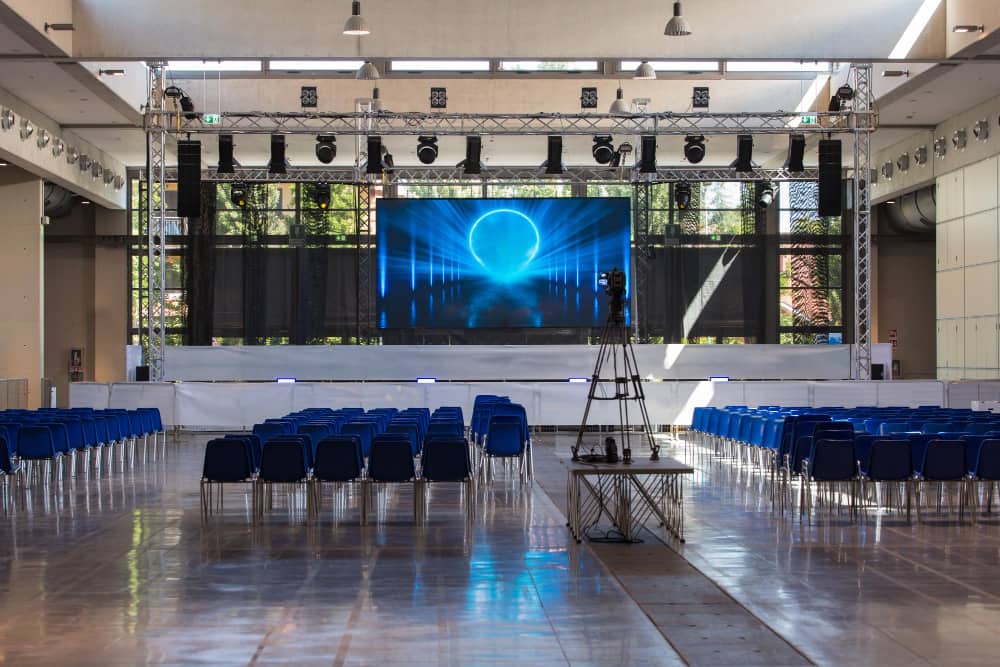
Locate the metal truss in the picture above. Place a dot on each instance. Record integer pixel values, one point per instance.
(504, 174)
(366, 261)
(860, 78)
(156, 139)
(364, 122)
(641, 200)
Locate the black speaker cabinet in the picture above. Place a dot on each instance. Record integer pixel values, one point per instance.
(878, 371)
(142, 373)
(831, 179)
(189, 179)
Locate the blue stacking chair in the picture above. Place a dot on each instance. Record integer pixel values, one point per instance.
(889, 466)
(391, 462)
(504, 440)
(987, 468)
(411, 429)
(227, 461)
(255, 445)
(829, 462)
(302, 441)
(339, 460)
(283, 461)
(35, 444)
(446, 460)
(943, 463)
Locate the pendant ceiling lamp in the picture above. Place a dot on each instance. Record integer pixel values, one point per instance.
(677, 26)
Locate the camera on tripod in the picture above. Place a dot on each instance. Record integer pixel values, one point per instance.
(613, 282)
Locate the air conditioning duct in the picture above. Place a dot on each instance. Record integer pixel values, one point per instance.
(912, 213)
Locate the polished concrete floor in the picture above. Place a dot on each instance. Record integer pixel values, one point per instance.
(122, 571)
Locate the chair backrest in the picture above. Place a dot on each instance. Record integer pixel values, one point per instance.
(35, 442)
(504, 436)
(301, 441)
(253, 442)
(227, 460)
(889, 461)
(60, 436)
(391, 460)
(832, 460)
(988, 460)
(944, 460)
(9, 433)
(364, 430)
(338, 459)
(283, 461)
(446, 460)
(269, 430)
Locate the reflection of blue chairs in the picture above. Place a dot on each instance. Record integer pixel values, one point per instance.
(504, 440)
(339, 461)
(283, 461)
(889, 465)
(391, 462)
(829, 462)
(227, 461)
(943, 463)
(447, 460)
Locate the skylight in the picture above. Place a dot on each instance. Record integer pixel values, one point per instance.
(778, 66)
(674, 65)
(440, 65)
(916, 28)
(214, 65)
(315, 65)
(548, 65)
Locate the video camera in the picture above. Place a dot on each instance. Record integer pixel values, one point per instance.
(613, 282)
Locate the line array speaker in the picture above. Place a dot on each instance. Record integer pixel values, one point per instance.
(189, 179)
(647, 159)
(831, 177)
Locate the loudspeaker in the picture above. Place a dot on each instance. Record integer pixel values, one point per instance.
(553, 163)
(142, 373)
(374, 155)
(830, 177)
(189, 179)
(473, 155)
(226, 162)
(277, 163)
(878, 371)
(744, 153)
(647, 159)
(796, 153)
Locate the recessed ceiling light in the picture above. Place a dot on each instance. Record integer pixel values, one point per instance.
(3, 163)
(969, 28)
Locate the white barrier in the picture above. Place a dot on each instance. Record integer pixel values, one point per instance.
(404, 363)
(237, 405)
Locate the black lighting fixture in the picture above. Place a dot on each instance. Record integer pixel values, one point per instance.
(744, 153)
(472, 164)
(841, 100)
(765, 195)
(277, 164)
(374, 155)
(700, 97)
(308, 97)
(388, 162)
(326, 148)
(554, 164)
(427, 149)
(321, 195)
(227, 161)
(647, 158)
(183, 99)
(603, 150)
(439, 98)
(969, 27)
(694, 148)
(796, 153)
(588, 97)
(682, 195)
(624, 150)
(238, 195)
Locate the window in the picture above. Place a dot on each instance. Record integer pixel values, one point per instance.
(548, 66)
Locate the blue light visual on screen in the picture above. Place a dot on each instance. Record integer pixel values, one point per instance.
(467, 263)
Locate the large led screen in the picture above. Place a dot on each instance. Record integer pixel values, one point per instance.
(468, 263)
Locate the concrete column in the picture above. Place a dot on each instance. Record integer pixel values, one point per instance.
(22, 283)
(110, 297)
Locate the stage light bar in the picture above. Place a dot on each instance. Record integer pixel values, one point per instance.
(285, 380)
(578, 380)
(718, 378)
(426, 380)
(214, 65)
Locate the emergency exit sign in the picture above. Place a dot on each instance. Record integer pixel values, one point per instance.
(211, 119)
(809, 119)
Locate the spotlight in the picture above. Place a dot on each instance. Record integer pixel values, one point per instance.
(981, 130)
(374, 155)
(554, 164)
(308, 97)
(624, 150)
(694, 148)
(7, 119)
(227, 164)
(277, 164)
(43, 139)
(644, 72)
(472, 163)
(326, 148)
(238, 195)
(603, 150)
(439, 98)
(356, 24)
(619, 106)
(682, 195)
(647, 159)
(387, 160)
(765, 196)
(27, 129)
(677, 26)
(744, 153)
(940, 147)
(427, 149)
(969, 28)
(841, 101)
(960, 138)
(377, 104)
(187, 106)
(321, 195)
(796, 153)
(111, 71)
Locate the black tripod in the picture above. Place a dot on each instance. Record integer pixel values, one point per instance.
(616, 348)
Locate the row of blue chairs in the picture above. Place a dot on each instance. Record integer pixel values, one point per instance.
(311, 457)
(906, 447)
(54, 438)
(500, 430)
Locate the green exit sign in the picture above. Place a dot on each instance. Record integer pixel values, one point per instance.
(809, 119)
(211, 119)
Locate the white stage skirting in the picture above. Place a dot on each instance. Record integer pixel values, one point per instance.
(405, 363)
(237, 405)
